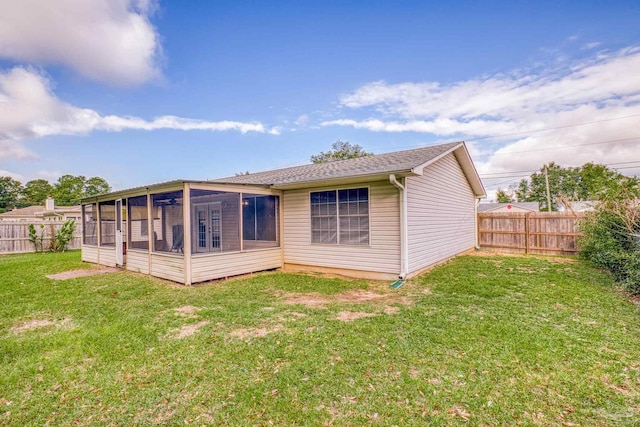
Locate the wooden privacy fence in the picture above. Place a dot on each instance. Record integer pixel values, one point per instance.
(14, 236)
(532, 232)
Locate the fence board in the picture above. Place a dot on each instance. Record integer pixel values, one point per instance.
(532, 232)
(14, 236)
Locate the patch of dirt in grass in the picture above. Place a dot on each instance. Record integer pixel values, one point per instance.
(561, 260)
(460, 412)
(484, 253)
(317, 300)
(187, 330)
(350, 316)
(391, 310)
(74, 274)
(244, 333)
(32, 324)
(188, 311)
(414, 373)
(291, 316)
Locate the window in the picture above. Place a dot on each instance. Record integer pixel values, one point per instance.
(107, 223)
(89, 225)
(259, 221)
(340, 216)
(167, 228)
(138, 223)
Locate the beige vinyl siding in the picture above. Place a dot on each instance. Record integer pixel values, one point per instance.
(441, 209)
(381, 255)
(137, 261)
(215, 266)
(168, 267)
(107, 256)
(90, 254)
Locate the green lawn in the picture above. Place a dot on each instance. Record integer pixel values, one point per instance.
(482, 340)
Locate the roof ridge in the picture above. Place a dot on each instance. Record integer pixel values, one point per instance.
(336, 163)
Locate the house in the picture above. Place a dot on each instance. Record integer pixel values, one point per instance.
(516, 207)
(386, 216)
(48, 212)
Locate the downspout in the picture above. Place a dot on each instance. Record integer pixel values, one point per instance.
(475, 219)
(404, 241)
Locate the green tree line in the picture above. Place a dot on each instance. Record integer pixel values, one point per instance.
(67, 190)
(587, 182)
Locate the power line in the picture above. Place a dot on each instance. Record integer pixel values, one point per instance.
(556, 127)
(491, 175)
(560, 148)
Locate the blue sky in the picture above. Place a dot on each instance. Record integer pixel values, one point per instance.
(138, 91)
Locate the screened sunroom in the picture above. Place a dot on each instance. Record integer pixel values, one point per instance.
(185, 231)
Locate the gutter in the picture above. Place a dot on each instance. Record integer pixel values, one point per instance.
(404, 241)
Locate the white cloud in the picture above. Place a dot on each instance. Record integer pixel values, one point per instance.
(50, 176)
(507, 98)
(302, 120)
(540, 107)
(13, 175)
(106, 40)
(29, 109)
(591, 45)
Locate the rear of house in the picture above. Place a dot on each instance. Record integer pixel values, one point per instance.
(381, 217)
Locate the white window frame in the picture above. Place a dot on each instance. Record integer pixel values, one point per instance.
(338, 243)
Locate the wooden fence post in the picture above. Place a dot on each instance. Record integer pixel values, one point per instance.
(526, 232)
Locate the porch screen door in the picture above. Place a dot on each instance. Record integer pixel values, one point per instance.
(119, 237)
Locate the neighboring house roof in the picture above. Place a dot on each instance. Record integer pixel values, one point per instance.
(488, 207)
(580, 206)
(39, 212)
(379, 166)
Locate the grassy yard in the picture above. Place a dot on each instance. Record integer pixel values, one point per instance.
(481, 340)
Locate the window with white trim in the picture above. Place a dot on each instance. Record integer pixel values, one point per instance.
(340, 216)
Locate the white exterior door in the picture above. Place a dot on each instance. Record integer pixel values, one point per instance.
(119, 237)
(208, 227)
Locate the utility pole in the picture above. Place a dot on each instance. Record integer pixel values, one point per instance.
(546, 180)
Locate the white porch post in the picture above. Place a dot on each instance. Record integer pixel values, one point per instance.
(150, 230)
(186, 233)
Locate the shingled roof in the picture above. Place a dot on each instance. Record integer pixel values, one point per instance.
(399, 161)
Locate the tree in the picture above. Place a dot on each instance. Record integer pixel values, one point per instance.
(340, 150)
(69, 189)
(597, 180)
(96, 185)
(611, 233)
(587, 182)
(35, 192)
(10, 192)
(503, 197)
